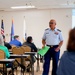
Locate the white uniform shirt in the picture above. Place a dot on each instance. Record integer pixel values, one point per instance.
(52, 37)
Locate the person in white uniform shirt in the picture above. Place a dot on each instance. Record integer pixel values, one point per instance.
(53, 38)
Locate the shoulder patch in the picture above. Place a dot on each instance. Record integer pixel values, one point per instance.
(47, 29)
(59, 30)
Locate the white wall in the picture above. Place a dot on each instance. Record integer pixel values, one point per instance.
(36, 22)
(73, 18)
(64, 23)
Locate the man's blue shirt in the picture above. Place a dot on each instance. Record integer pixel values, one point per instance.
(15, 42)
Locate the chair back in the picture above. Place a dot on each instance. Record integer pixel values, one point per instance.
(2, 56)
(13, 46)
(19, 51)
(26, 48)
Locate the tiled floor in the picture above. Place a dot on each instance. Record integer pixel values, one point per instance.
(41, 69)
(35, 69)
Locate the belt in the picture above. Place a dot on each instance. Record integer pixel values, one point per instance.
(51, 46)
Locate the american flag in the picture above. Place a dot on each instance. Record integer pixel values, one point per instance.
(2, 27)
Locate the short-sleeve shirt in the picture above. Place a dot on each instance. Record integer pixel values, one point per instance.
(52, 37)
(5, 50)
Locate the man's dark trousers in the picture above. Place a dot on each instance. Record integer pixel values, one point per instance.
(51, 54)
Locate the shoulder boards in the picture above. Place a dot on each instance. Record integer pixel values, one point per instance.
(47, 29)
(58, 30)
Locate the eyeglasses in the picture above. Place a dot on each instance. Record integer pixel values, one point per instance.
(51, 23)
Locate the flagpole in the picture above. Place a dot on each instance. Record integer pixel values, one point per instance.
(12, 31)
(24, 30)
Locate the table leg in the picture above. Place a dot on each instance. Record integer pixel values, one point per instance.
(4, 70)
(22, 70)
(12, 69)
(32, 65)
(38, 67)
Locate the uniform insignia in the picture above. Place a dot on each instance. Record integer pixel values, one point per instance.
(59, 30)
(56, 33)
(47, 29)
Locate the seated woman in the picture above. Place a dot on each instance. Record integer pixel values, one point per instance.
(2, 47)
(5, 49)
(67, 61)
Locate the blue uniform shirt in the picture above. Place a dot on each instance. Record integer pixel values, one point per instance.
(52, 37)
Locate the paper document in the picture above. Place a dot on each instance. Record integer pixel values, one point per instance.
(43, 51)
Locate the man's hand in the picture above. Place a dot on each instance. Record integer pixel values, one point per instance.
(57, 49)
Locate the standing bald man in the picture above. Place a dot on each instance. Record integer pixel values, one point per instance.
(53, 38)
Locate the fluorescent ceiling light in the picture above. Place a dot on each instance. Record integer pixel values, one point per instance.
(21, 7)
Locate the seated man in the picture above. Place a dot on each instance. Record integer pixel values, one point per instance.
(6, 43)
(16, 41)
(30, 44)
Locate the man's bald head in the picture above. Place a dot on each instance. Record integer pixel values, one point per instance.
(52, 24)
(53, 21)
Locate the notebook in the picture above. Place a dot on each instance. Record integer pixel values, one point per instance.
(43, 51)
